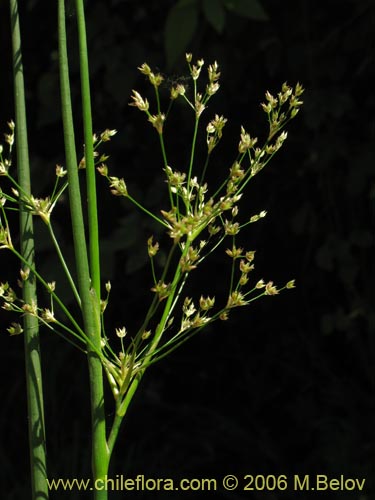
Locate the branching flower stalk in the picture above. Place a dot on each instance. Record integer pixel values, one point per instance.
(198, 224)
(199, 220)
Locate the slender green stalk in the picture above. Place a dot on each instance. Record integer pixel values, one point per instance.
(64, 264)
(133, 386)
(192, 154)
(35, 405)
(89, 152)
(89, 297)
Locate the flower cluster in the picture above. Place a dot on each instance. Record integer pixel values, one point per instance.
(198, 220)
(11, 302)
(5, 163)
(196, 318)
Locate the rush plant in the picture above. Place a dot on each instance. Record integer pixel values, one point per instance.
(199, 220)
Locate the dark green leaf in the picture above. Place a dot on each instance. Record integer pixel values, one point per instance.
(214, 13)
(251, 9)
(180, 27)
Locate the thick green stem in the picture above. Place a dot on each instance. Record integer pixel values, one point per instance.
(89, 296)
(35, 405)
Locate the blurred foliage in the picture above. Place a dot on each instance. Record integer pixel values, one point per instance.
(288, 387)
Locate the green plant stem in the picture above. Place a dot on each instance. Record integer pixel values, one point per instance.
(141, 207)
(192, 154)
(92, 209)
(114, 432)
(133, 386)
(35, 404)
(64, 264)
(89, 298)
(165, 162)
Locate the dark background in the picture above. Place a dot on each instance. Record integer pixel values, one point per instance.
(283, 387)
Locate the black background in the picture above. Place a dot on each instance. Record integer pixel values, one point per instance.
(285, 386)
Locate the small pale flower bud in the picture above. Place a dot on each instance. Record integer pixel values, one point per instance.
(231, 228)
(250, 255)
(271, 289)
(145, 69)
(255, 218)
(156, 80)
(139, 102)
(9, 138)
(236, 299)
(212, 88)
(15, 329)
(25, 273)
(118, 186)
(60, 172)
(206, 303)
(152, 248)
(234, 252)
(103, 170)
(121, 332)
(31, 308)
(243, 280)
(260, 284)
(246, 267)
(271, 99)
(213, 73)
(48, 316)
(107, 134)
(146, 334)
(157, 121)
(291, 284)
